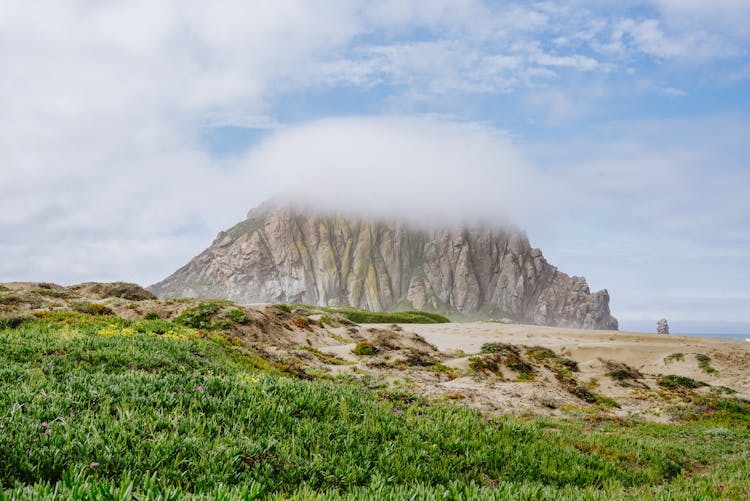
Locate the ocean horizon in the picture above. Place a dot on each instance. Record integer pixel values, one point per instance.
(736, 331)
(733, 336)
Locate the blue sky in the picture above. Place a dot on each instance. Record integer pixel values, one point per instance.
(616, 133)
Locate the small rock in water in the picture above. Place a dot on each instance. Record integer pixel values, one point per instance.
(662, 327)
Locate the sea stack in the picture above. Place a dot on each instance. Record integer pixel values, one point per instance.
(662, 327)
(289, 254)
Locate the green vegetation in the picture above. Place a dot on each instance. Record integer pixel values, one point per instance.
(92, 308)
(492, 355)
(234, 316)
(14, 321)
(585, 393)
(345, 314)
(200, 316)
(328, 359)
(673, 381)
(486, 365)
(212, 315)
(498, 348)
(622, 372)
(158, 326)
(526, 377)
(538, 353)
(552, 360)
(11, 298)
(61, 294)
(451, 372)
(302, 323)
(364, 348)
(388, 317)
(674, 357)
(703, 363)
(103, 408)
(723, 389)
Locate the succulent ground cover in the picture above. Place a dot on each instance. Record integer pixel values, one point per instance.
(335, 315)
(93, 405)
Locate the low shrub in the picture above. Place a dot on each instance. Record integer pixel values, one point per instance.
(14, 321)
(674, 357)
(302, 323)
(154, 326)
(673, 381)
(200, 316)
(364, 348)
(515, 362)
(703, 363)
(499, 348)
(10, 299)
(387, 317)
(540, 354)
(569, 364)
(92, 308)
(419, 359)
(56, 293)
(526, 377)
(584, 393)
(621, 371)
(486, 365)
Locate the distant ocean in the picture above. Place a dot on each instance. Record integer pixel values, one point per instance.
(734, 337)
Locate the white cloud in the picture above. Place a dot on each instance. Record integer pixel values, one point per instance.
(394, 166)
(726, 15)
(575, 61)
(674, 92)
(102, 110)
(148, 212)
(650, 37)
(654, 211)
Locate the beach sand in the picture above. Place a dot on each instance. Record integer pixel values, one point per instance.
(652, 355)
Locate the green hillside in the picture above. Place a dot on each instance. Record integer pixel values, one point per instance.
(98, 407)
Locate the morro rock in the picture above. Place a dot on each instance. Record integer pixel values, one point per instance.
(287, 254)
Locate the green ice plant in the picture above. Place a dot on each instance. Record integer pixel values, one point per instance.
(98, 407)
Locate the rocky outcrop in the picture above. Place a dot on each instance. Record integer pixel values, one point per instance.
(292, 255)
(123, 290)
(662, 326)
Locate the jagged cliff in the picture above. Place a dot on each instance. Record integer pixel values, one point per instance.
(292, 255)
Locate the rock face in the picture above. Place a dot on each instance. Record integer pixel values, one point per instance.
(662, 327)
(292, 255)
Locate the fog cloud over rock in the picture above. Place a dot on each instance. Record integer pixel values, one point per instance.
(422, 169)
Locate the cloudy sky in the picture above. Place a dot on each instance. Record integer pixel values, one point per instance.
(617, 133)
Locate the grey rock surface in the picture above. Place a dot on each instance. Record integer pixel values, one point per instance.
(294, 255)
(662, 327)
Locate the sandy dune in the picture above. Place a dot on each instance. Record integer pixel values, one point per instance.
(640, 350)
(593, 350)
